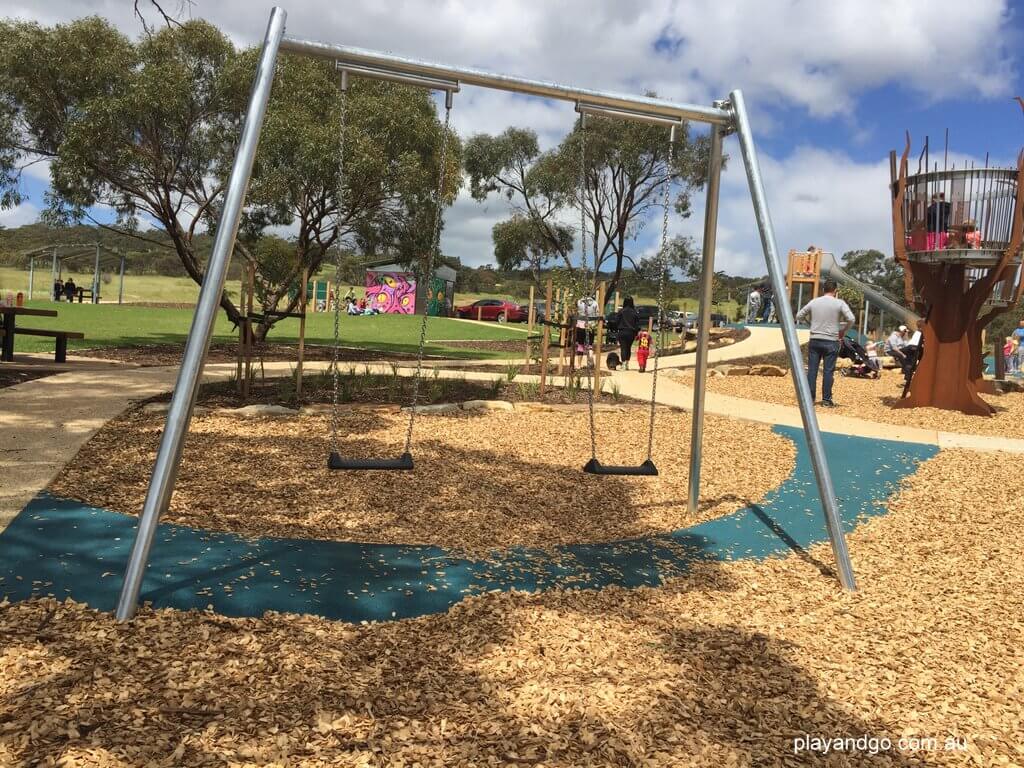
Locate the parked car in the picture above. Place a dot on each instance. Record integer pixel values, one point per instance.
(493, 309)
(644, 313)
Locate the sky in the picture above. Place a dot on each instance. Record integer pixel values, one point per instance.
(831, 87)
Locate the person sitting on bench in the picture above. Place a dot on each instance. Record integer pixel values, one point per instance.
(58, 289)
(895, 343)
(70, 289)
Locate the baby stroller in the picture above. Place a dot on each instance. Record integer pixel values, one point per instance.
(863, 367)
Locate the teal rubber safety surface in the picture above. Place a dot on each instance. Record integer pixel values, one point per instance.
(63, 548)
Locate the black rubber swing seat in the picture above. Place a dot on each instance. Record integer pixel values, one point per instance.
(402, 463)
(595, 467)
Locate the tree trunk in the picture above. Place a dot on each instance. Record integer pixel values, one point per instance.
(948, 374)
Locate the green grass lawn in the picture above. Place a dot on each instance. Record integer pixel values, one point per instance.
(106, 325)
(181, 290)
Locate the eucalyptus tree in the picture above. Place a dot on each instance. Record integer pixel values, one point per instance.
(148, 130)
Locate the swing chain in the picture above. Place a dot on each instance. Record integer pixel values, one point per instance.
(340, 194)
(662, 275)
(435, 245)
(587, 344)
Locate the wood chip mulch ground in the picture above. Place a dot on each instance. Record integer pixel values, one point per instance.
(482, 481)
(872, 400)
(739, 664)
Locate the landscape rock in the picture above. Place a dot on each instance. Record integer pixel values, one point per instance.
(1008, 386)
(487, 405)
(738, 370)
(439, 408)
(259, 410)
(767, 370)
(198, 410)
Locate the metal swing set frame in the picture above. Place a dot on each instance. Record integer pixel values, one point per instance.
(724, 117)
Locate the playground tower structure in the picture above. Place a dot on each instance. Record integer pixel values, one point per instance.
(957, 234)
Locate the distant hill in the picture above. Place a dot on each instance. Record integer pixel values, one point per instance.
(143, 257)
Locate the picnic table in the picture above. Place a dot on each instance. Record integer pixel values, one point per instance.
(8, 330)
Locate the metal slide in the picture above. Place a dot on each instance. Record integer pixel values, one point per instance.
(830, 268)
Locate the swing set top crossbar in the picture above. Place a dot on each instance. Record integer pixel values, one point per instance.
(640, 105)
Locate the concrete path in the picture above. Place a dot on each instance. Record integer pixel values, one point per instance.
(761, 341)
(45, 422)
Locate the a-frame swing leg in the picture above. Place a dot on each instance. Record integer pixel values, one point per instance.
(165, 469)
(826, 491)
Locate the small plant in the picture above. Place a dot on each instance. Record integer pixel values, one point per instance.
(435, 390)
(495, 388)
(511, 371)
(529, 390)
(286, 386)
(616, 391)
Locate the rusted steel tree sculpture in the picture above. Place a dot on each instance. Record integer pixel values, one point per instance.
(957, 234)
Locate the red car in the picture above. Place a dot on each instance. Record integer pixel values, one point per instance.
(493, 309)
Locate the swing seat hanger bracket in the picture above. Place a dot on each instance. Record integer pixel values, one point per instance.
(420, 81)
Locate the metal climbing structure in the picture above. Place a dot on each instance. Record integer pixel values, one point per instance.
(724, 117)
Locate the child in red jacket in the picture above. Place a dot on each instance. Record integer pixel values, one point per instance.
(643, 349)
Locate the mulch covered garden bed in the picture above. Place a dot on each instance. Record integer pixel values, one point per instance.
(737, 664)
(356, 385)
(227, 352)
(482, 481)
(873, 399)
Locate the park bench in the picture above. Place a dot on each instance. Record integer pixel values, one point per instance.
(60, 354)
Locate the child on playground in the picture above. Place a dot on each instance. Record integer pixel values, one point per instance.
(643, 349)
(1010, 355)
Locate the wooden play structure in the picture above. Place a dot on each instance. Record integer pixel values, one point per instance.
(957, 234)
(804, 272)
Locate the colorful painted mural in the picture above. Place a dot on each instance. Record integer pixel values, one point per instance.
(442, 293)
(391, 292)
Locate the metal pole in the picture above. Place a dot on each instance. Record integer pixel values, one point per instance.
(31, 274)
(867, 314)
(383, 62)
(120, 289)
(96, 277)
(707, 276)
(803, 392)
(54, 276)
(165, 469)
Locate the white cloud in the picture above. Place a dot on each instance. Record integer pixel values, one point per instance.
(793, 54)
(26, 213)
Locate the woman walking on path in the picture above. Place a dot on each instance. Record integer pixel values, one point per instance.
(628, 328)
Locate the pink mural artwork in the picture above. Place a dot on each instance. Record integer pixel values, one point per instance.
(391, 292)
